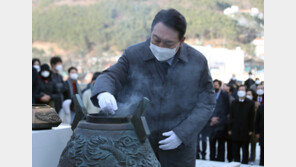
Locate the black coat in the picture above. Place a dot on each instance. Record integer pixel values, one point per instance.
(219, 130)
(61, 87)
(35, 84)
(241, 119)
(260, 123)
(182, 98)
(46, 87)
(249, 82)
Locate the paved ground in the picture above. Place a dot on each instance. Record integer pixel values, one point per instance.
(202, 163)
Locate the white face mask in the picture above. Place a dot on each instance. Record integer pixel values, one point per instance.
(241, 93)
(37, 67)
(45, 74)
(257, 82)
(162, 54)
(249, 97)
(74, 76)
(233, 78)
(260, 92)
(59, 67)
(250, 76)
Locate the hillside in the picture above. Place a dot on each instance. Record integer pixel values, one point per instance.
(89, 28)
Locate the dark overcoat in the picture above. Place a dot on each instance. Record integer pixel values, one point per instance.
(181, 96)
(260, 123)
(241, 119)
(221, 111)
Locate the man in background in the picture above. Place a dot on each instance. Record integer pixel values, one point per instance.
(57, 79)
(218, 124)
(72, 88)
(260, 93)
(241, 124)
(249, 82)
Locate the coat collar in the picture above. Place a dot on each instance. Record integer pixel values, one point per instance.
(181, 54)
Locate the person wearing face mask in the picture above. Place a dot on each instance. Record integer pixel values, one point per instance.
(47, 92)
(232, 80)
(57, 79)
(36, 64)
(253, 96)
(260, 93)
(176, 79)
(218, 124)
(254, 86)
(233, 83)
(241, 124)
(249, 82)
(73, 88)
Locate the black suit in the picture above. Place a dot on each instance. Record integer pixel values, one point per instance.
(260, 130)
(219, 130)
(241, 123)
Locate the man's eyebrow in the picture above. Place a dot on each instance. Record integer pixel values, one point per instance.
(156, 36)
(169, 41)
(161, 39)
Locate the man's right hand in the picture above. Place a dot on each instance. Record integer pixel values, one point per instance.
(214, 121)
(107, 102)
(229, 133)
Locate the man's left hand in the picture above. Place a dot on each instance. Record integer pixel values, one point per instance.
(172, 142)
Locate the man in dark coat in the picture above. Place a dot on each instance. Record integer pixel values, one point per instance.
(249, 82)
(57, 79)
(72, 88)
(176, 79)
(241, 124)
(218, 124)
(260, 131)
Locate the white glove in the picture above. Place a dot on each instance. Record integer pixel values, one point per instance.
(107, 102)
(172, 142)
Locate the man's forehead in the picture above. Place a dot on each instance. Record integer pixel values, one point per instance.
(165, 33)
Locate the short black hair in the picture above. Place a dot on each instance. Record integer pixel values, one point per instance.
(95, 75)
(243, 86)
(220, 83)
(171, 18)
(34, 60)
(230, 87)
(45, 67)
(72, 68)
(54, 60)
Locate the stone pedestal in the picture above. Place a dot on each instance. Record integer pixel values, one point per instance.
(47, 145)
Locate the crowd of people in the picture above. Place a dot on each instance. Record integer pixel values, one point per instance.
(237, 122)
(48, 87)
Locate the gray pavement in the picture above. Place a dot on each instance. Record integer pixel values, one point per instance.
(256, 163)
